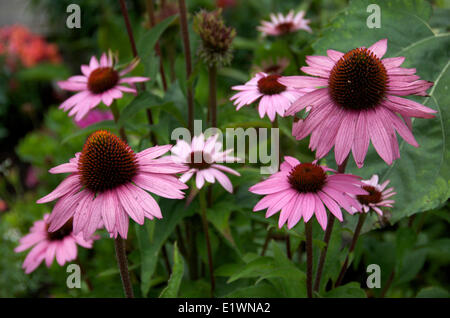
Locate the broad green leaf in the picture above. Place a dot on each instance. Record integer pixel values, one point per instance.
(219, 216)
(350, 290)
(150, 244)
(172, 288)
(410, 266)
(147, 42)
(147, 100)
(262, 290)
(421, 176)
(143, 101)
(433, 292)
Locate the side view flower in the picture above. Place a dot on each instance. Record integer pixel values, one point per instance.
(276, 98)
(281, 25)
(61, 244)
(355, 101)
(305, 189)
(107, 182)
(100, 82)
(203, 158)
(378, 195)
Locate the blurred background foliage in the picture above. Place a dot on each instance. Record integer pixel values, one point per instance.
(410, 244)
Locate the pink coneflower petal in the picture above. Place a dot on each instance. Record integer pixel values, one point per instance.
(99, 83)
(301, 190)
(351, 107)
(274, 96)
(46, 246)
(107, 186)
(377, 195)
(202, 157)
(280, 25)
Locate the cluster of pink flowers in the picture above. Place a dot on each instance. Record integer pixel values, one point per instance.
(350, 100)
(20, 45)
(347, 100)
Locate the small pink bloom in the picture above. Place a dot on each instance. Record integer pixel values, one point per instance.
(100, 82)
(275, 98)
(355, 100)
(47, 246)
(202, 158)
(377, 197)
(280, 24)
(304, 189)
(94, 116)
(108, 183)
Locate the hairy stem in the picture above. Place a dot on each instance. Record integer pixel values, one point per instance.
(122, 262)
(116, 115)
(151, 18)
(187, 55)
(266, 241)
(323, 254)
(309, 258)
(362, 218)
(208, 241)
(327, 237)
(123, 8)
(212, 73)
(288, 246)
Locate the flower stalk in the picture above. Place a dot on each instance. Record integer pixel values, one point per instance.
(151, 18)
(327, 237)
(309, 258)
(119, 245)
(203, 206)
(123, 8)
(362, 218)
(187, 55)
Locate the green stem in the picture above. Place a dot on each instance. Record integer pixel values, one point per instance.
(212, 95)
(187, 55)
(122, 262)
(116, 114)
(327, 237)
(362, 218)
(202, 198)
(309, 258)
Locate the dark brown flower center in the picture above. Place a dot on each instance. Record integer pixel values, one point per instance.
(269, 85)
(60, 234)
(307, 177)
(285, 27)
(106, 162)
(374, 196)
(358, 80)
(199, 160)
(102, 79)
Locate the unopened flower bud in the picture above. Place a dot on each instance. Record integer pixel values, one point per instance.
(216, 37)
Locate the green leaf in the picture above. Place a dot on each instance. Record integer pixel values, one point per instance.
(262, 290)
(152, 237)
(421, 176)
(350, 290)
(279, 270)
(410, 266)
(143, 101)
(433, 292)
(171, 291)
(149, 39)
